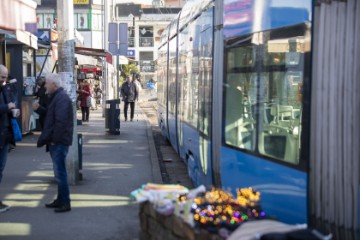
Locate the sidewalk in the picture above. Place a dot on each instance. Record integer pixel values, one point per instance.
(113, 166)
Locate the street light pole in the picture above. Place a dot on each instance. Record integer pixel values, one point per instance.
(66, 62)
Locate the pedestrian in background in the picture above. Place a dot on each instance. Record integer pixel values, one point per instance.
(97, 96)
(42, 98)
(129, 93)
(57, 136)
(5, 128)
(85, 99)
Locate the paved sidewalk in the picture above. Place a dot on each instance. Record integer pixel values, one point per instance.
(113, 166)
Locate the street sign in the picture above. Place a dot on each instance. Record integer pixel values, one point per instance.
(118, 38)
(43, 34)
(131, 53)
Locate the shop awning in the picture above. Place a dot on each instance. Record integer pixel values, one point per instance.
(85, 60)
(19, 36)
(94, 52)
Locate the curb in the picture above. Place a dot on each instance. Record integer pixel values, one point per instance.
(154, 160)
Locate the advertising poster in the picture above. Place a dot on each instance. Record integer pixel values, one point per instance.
(82, 21)
(48, 20)
(67, 79)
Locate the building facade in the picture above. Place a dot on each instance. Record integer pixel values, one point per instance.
(145, 25)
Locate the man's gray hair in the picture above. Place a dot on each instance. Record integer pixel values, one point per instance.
(3, 69)
(55, 78)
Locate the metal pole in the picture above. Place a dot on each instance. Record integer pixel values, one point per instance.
(103, 82)
(117, 76)
(66, 62)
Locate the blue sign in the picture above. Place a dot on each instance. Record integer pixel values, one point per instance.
(43, 35)
(118, 38)
(131, 53)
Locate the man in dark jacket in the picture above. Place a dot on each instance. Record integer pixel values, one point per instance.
(57, 136)
(5, 131)
(129, 93)
(42, 97)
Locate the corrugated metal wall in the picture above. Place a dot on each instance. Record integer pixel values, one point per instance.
(335, 136)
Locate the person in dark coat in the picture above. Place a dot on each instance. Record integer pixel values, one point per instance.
(129, 93)
(5, 129)
(40, 93)
(57, 135)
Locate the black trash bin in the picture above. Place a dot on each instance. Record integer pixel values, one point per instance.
(112, 116)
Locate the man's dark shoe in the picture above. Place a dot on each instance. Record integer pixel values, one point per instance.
(3, 207)
(54, 204)
(63, 208)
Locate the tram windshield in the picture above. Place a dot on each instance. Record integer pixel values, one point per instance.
(263, 93)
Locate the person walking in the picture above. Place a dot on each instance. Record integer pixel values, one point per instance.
(5, 128)
(129, 93)
(97, 96)
(57, 135)
(85, 99)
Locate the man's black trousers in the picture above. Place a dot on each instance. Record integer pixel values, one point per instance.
(132, 109)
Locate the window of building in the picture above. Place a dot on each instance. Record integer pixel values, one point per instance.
(146, 38)
(96, 22)
(147, 63)
(82, 21)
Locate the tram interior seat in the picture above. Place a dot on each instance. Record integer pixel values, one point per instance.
(278, 142)
(278, 139)
(282, 112)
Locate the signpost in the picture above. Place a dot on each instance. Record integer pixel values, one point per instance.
(118, 44)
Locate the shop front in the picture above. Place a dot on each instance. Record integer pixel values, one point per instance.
(17, 46)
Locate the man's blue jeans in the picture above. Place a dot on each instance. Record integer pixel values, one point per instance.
(3, 156)
(58, 154)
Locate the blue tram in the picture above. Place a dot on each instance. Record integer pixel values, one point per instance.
(234, 81)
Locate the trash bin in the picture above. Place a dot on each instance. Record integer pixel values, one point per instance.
(112, 116)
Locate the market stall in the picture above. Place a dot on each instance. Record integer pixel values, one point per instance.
(173, 212)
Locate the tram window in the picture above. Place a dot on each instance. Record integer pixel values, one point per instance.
(172, 76)
(241, 57)
(205, 80)
(239, 121)
(263, 97)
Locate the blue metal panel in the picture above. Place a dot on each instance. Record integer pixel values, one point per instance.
(199, 164)
(283, 189)
(248, 16)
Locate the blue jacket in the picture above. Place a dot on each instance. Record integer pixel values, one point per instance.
(59, 120)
